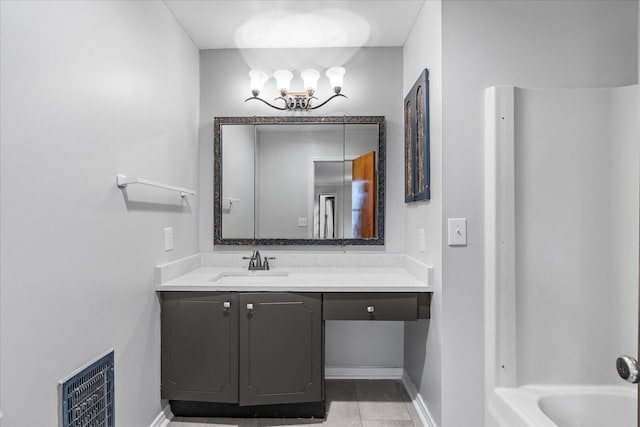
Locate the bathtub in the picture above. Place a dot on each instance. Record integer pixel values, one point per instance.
(564, 406)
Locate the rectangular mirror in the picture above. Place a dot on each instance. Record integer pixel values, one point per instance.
(299, 180)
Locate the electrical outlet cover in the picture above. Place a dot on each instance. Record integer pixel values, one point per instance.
(168, 239)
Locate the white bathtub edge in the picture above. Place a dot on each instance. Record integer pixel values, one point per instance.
(518, 405)
(509, 406)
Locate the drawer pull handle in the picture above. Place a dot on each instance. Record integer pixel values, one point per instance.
(250, 307)
(226, 305)
(370, 309)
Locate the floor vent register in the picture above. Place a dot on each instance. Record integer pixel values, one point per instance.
(86, 396)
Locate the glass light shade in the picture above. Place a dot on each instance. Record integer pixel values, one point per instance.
(258, 79)
(310, 78)
(336, 77)
(283, 80)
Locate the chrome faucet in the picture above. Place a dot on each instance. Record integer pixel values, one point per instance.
(257, 262)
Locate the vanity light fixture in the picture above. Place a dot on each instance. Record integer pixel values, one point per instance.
(296, 100)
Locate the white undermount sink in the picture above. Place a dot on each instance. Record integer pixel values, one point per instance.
(258, 276)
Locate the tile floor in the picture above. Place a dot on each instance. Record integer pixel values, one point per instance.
(350, 403)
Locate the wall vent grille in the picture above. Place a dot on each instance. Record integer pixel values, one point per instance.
(87, 396)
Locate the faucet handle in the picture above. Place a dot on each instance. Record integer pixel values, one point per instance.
(266, 259)
(252, 260)
(253, 255)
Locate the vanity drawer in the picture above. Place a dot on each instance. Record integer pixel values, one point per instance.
(370, 306)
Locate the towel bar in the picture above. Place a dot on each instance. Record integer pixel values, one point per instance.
(122, 182)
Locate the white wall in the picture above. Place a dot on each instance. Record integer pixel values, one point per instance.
(522, 43)
(423, 338)
(373, 84)
(90, 90)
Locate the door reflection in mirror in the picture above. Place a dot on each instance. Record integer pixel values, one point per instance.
(363, 190)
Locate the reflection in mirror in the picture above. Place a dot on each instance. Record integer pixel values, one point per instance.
(238, 183)
(363, 156)
(284, 155)
(331, 196)
(299, 180)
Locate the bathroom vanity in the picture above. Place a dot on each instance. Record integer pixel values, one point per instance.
(251, 343)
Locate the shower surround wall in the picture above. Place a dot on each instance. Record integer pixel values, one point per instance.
(576, 218)
(562, 209)
(90, 90)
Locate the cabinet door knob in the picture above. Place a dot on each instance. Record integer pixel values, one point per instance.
(250, 307)
(370, 309)
(226, 304)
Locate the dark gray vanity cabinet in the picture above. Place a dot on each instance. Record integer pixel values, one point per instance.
(200, 346)
(242, 348)
(280, 348)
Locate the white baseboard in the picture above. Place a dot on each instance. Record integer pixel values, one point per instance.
(418, 402)
(362, 372)
(163, 418)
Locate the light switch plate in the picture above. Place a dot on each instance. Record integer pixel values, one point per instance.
(302, 221)
(457, 231)
(168, 239)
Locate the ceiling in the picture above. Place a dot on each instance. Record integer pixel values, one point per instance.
(229, 24)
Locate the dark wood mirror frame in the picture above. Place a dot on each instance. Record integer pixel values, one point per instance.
(271, 120)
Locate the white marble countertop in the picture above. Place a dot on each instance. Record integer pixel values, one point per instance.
(373, 279)
(190, 275)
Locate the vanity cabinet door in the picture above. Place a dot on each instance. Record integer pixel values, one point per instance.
(280, 348)
(200, 346)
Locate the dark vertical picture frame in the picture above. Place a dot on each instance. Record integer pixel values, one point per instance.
(416, 141)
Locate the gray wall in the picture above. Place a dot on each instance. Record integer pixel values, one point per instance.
(422, 339)
(529, 44)
(373, 84)
(90, 90)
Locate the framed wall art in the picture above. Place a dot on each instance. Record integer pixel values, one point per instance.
(416, 141)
